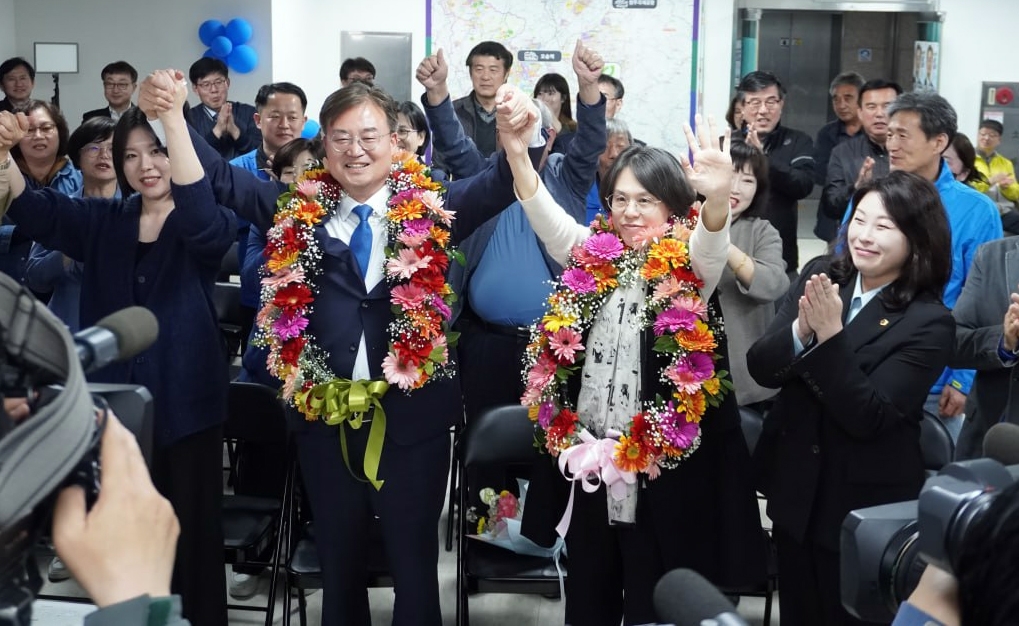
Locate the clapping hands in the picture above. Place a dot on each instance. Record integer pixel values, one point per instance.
(820, 309)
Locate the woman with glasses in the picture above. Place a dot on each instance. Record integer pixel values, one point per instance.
(159, 248)
(648, 431)
(554, 91)
(90, 149)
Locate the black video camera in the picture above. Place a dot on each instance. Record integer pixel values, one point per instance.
(59, 443)
(885, 549)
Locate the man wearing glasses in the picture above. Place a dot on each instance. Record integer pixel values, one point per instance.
(119, 82)
(229, 127)
(790, 156)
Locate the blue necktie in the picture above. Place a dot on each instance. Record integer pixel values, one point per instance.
(361, 239)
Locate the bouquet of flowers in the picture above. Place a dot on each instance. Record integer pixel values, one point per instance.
(500, 525)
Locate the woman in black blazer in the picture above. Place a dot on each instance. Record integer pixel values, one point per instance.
(854, 349)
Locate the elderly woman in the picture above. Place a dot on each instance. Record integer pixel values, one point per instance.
(633, 339)
(159, 248)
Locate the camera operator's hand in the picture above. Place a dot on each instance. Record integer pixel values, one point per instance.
(937, 595)
(124, 547)
(17, 408)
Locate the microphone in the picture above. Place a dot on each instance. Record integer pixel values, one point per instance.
(117, 336)
(1001, 443)
(685, 598)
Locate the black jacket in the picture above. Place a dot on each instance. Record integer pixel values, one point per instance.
(843, 168)
(791, 174)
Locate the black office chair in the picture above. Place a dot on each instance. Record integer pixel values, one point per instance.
(254, 522)
(936, 444)
(500, 438)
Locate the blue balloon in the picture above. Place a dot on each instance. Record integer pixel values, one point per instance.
(243, 59)
(311, 129)
(221, 47)
(238, 31)
(210, 54)
(209, 30)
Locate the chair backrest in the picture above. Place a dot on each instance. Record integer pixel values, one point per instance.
(227, 299)
(502, 435)
(936, 444)
(230, 265)
(752, 422)
(255, 415)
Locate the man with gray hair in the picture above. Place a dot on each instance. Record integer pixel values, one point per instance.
(845, 102)
(617, 139)
(921, 124)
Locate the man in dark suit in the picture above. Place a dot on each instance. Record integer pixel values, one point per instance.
(119, 82)
(988, 344)
(352, 313)
(229, 127)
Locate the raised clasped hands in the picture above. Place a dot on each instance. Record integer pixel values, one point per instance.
(820, 308)
(159, 93)
(515, 118)
(710, 169)
(13, 127)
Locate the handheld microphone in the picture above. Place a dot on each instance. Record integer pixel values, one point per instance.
(117, 336)
(1001, 443)
(685, 598)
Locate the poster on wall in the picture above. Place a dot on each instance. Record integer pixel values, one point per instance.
(925, 65)
(649, 50)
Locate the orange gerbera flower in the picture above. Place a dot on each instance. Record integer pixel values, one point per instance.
(279, 260)
(700, 339)
(630, 455)
(309, 212)
(406, 210)
(693, 404)
(669, 250)
(654, 268)
(440, 235)
(426, 321)
(419, 179)
(412, 165)
(605, 277)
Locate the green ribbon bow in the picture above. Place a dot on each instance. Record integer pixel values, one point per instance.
(342, 401)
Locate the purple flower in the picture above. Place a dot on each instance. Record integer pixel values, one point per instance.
(702, 364)
(579, 281)
(441, 307)
(691, 371)
(418, 226)
(288, 326)
(605, 246)
(406, 194)
(546, 412)
(679, 432)
(672, 320)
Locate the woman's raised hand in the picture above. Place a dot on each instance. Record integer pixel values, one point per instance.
(710, 170)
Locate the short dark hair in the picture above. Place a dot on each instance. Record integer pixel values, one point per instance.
(205, 66)
(730, 113)
(879, 83)
(94, 130)
(418, 120)
(613, 82)
(658, 172)
(119, 67)
(354, 94)
(937, 116)
(558, 82)
(491, 49)
(994, 125)
(262, 97)
(968, 156)
(356, 64)
(759, 80)
(845, 78)
(986, 565)
(58, 119)
(742, 154)
(15, 62)
(131, 119)
(287, 155)
(914, 204)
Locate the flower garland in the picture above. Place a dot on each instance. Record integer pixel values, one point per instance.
(667, 430)
(418, 255)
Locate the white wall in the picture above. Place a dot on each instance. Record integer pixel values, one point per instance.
(7, 45)
(715, 81)
(146, 35)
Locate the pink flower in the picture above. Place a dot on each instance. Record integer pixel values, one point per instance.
(440, 305)
(403, 375)
(288, 325)
(433, 202)
(695, 306)
(605, 246)
(651, 234)
(440, 342)
(412, 240)
(667, 288)
(289, 383)
(565, 343)
(539, 376)
(308, 188)
(284, 277)
(418, 226)
(579, 281)
(506, 506)
(405, 263)
(265, 314)
(408, 296)
(691, 371)
(546, 413)
(679, 431)
(672, 320)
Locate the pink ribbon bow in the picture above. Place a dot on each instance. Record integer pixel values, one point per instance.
(590, 463)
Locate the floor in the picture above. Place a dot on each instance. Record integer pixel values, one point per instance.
(485, 609)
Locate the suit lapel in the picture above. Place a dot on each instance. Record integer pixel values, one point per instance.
(1012, 270)
(873, 320)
